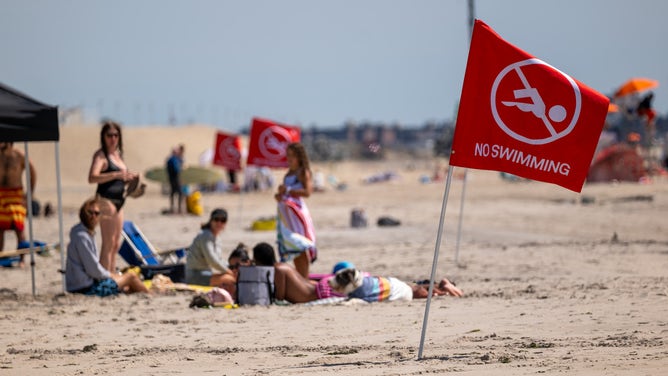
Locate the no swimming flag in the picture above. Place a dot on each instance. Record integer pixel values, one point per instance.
(227, 151)
(269, 142)
(519, 115)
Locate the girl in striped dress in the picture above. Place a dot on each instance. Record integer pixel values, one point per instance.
(295, 230)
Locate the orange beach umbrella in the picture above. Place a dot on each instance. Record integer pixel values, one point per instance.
(636, 85)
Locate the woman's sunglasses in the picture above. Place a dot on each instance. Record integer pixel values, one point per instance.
(93, 212)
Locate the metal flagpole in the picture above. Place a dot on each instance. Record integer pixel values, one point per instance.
(442, 219)
(435, 261)
(461, 204)
(29, 210)
(461, 217)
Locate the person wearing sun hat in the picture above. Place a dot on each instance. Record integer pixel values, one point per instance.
(205, 255)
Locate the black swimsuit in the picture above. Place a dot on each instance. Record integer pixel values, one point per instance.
(112, 190)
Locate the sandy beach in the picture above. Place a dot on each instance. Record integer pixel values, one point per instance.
(555, 282)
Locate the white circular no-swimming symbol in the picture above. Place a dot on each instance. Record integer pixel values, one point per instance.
(273, 142)
(228, 150)
(535, 106)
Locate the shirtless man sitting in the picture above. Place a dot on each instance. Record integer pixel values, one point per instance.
(12, 198)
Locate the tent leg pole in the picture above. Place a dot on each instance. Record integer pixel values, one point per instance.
(60, 214)
(29, 210)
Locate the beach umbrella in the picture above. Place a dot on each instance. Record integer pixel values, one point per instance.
(636, 85)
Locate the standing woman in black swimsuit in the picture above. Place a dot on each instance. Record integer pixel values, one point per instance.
(110, 173)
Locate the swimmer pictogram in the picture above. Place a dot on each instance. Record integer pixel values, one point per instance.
(527, 99)
(273, 142)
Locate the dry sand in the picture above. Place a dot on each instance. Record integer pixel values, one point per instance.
(553, 285)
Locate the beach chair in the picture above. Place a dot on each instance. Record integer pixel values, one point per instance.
(136, 250)
(9, 258)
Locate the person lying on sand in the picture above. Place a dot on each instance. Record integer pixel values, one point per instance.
(352, 283)
(292, 287)
(83, 273)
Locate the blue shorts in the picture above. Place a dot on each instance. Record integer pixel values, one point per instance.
(105, 287)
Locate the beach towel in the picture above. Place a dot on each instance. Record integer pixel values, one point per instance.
(12, 209)
(378, 289)
(324, 291)
(296, 233)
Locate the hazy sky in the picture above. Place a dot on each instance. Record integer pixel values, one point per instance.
(306, 62)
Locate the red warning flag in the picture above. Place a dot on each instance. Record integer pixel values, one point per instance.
(519, 115)
(227, 151)
(269, 142)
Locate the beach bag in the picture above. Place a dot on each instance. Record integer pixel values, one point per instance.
(175, 272)
(264, 224)
(194, 203)
(358, 218)
(388, 221)
(255, 285)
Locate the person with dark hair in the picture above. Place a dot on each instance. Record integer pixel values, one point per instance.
(110, 173)
(295, 230)
(12, 200)
(645, 108)
(228, 281)
(174, 168)
(83, 272)
(205, 255)
(289, 284)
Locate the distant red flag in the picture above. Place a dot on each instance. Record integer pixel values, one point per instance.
(227, 151)
(269, 141)
(519, 115)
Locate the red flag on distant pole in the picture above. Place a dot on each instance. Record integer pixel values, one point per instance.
(269, 141)
(517, 114)
(227, 151)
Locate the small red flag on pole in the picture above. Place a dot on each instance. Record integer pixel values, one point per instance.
(269, 141)
(520, 115)
(227, 151)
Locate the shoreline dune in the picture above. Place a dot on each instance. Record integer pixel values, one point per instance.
(555, 282)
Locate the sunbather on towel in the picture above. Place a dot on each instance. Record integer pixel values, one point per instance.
(83, 273)
(292, 287)
(355, 284)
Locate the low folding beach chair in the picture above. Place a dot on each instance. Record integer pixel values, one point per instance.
(10, 258)
(136, 250)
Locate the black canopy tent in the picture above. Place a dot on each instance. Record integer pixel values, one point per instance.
(23, 118)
